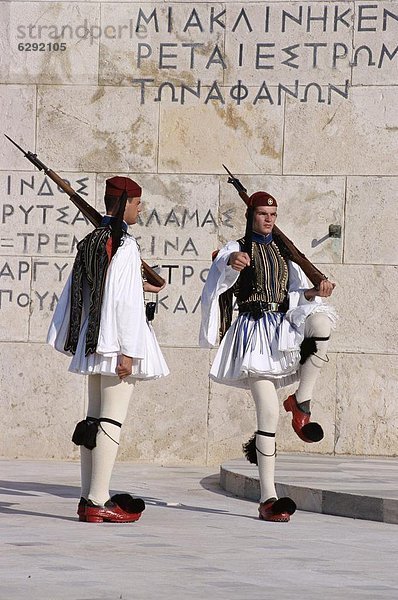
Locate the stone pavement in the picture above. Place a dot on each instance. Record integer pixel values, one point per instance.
(194, 541)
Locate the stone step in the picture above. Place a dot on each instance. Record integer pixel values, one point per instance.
(356, 487)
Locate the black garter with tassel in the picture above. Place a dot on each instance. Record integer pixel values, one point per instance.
(249, 450)
(308, 347)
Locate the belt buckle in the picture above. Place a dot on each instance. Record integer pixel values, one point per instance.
(273, 306)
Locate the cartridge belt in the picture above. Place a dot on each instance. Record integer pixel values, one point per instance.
(258, 308)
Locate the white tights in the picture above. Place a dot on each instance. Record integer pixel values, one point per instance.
(267, 405)
(267, 409)
(316, 325)
(108, 397)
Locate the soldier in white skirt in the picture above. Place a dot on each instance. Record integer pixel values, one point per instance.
(100, 320)
(279, 337)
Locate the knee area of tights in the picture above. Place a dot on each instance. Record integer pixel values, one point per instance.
(320, 326)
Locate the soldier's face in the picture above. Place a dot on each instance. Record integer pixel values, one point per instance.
(132, 210)
(264, 218)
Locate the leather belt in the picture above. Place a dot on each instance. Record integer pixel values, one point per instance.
(258, 308)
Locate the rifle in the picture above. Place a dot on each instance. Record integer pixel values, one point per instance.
(85, 208)
(292, 252)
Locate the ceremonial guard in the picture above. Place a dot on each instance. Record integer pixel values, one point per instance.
(101, 321)
(279, 337)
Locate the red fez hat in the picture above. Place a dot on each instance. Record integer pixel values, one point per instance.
(115, 186)
(262, 199)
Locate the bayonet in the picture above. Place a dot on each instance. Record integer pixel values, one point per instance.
(291, 251)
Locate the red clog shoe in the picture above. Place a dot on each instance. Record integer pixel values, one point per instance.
(278, 511)
(125, 501)
(110, 512)
(308, 432)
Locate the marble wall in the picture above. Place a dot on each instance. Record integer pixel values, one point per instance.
(299, 98)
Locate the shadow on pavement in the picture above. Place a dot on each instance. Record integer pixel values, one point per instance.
(29, 488)
(211, 483)
(37, 489)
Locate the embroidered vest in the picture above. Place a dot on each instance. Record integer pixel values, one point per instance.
(91, 264)
(269, 282)
(270, 275)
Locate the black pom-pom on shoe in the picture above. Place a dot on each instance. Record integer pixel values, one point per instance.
(283, 505)
(313, 432)
(128, 503)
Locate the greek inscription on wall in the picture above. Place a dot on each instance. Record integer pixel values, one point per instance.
(241, 53)
(40, 228)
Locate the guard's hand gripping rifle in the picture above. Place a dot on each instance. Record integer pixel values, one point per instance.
(313, 274)
(86, 209)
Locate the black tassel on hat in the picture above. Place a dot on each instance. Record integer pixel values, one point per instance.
(116, 225)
